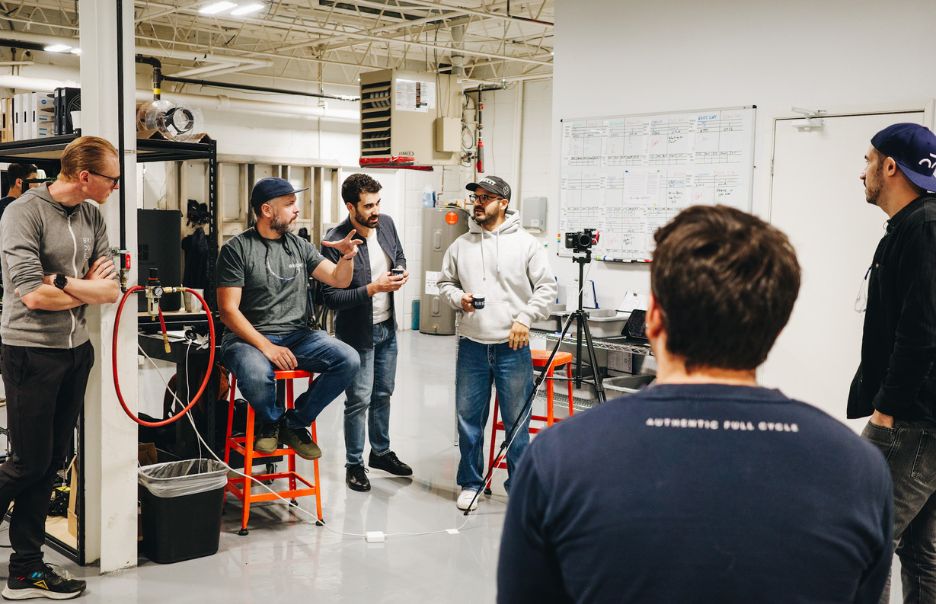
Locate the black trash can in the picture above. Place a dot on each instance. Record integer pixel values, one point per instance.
(181, 509)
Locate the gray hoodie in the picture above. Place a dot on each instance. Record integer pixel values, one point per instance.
(39, 236)
(509, 267)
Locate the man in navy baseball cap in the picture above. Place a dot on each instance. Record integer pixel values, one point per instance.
(269, 188)
(896, 382)
(913, 148)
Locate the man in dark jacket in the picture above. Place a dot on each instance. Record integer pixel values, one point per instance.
(365, 321)
(895, 383)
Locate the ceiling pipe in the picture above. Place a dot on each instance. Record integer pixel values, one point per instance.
(31, 41)
(222, 103)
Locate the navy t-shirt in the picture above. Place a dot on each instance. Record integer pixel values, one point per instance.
(698, 493)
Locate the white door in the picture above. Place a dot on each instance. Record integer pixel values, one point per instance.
(818, 201)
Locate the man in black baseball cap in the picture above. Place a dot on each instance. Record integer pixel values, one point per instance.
(263, 284)
(896, 382)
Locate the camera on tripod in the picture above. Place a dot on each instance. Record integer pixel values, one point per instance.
(581, 241)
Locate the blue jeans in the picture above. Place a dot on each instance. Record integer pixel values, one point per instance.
(315, 351)
(909, 450)
(371, 388)
(479, 367)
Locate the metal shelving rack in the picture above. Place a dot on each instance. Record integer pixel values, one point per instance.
(45, 153)
(618, 344)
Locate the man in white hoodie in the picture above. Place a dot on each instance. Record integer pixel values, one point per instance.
(499, 277)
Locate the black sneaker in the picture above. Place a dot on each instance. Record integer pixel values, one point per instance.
(45, 583)
(389, 462)
(356, 477)
(300, 441)
(266, 437)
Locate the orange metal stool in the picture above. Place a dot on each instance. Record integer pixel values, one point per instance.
(540, 357)
(240, 486)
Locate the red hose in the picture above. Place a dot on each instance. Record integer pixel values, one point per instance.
(204, 384)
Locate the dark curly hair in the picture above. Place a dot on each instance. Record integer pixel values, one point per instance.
(356, 184)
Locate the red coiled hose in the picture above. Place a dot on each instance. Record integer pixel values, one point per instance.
(204, 384)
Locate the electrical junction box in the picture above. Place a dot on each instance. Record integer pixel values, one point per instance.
(399, 111)
(448, 134)
(533, 214)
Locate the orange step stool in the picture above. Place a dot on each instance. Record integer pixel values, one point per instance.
(241, 487)
(540, 357)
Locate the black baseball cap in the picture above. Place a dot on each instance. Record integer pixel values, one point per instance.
(268, 188)
(493, 184)
(913, 148)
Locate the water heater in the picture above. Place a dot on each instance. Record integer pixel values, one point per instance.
(441, 227)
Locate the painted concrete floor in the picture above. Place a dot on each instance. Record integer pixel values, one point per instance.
(286, 558)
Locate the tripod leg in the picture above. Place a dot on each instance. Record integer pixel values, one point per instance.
(525, 411)
(593, 359)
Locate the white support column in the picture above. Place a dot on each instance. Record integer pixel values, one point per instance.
(110, 443)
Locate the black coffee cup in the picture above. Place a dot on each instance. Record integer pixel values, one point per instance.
(477, 301)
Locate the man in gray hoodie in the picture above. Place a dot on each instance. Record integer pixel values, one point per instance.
(499, 277)
(55, 261)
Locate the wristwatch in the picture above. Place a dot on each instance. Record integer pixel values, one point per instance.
(60, 281)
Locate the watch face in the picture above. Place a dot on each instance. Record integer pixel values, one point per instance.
(60, 281)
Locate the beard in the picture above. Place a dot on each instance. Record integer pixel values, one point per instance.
(482, 217)
(370, 223)
(281, 226)
(873, 191)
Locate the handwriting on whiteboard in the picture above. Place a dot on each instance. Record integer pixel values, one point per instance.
(629, 175)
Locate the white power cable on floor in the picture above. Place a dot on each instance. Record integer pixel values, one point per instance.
(290, 503)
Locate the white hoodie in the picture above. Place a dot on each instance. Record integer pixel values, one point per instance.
(509, 268)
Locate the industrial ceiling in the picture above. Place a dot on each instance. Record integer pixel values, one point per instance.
(325, 43)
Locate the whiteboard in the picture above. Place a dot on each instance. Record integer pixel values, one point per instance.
(628, 175)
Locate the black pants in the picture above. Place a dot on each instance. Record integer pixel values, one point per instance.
(45, 390)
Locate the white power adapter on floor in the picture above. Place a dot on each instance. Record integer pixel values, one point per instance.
(375, 537)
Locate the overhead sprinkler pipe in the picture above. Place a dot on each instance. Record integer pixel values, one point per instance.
(159, 77)
(156, 64)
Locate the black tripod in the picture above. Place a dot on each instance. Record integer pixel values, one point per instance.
(581, 319)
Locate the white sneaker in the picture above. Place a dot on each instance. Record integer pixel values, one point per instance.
(464, 499)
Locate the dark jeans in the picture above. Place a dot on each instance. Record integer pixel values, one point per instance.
(370, 394)
(481, 366)
(45, 390)
(315, 351)
(910, 449)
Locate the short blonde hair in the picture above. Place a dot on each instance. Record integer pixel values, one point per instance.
(85, 153)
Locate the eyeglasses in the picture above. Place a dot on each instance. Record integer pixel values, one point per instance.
(484, 199)
(114, 180)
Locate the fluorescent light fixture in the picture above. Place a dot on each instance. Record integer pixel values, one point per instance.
(248, 9)
(75, 51)
(216, 7)
(57, 48)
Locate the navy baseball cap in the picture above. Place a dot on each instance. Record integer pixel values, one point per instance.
(268, 188)
(493, 184)
(913, 148)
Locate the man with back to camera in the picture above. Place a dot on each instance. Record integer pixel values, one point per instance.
(56, 261)
(895, 383)
(704, 487)
(365, 321)
(263, 299)
(499, 277)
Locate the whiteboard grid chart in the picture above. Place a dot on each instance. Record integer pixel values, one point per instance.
(628, 175)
